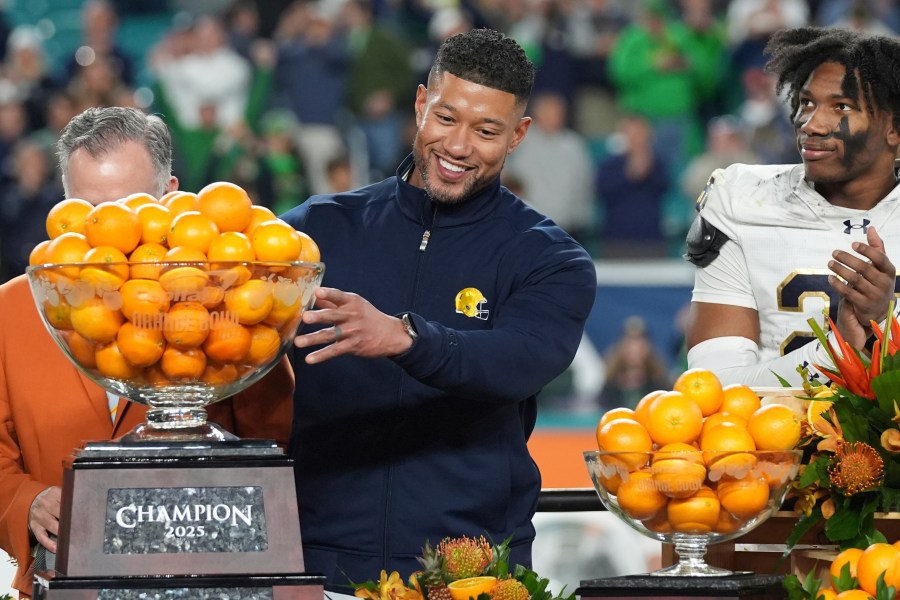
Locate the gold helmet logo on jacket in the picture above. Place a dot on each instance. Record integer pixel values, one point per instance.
(470, 302)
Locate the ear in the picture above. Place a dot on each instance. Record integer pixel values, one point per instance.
(421, 100)
(519, 133)
(892, 135)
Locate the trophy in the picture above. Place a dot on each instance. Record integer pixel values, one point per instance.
(178, 505)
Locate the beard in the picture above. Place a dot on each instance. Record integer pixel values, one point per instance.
(443, 193)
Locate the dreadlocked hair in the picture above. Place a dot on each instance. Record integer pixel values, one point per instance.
(489, 58)
(872, 64)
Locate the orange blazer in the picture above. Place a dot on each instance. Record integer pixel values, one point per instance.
(48, 409)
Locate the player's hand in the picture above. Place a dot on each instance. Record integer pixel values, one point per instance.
(43, 517)
(351, 326)
(866, 286)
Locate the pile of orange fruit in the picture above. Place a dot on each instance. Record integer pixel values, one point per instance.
(687, 458)
(187, 287)
(855, 572)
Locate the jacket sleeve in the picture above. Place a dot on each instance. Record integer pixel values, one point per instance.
(535, 331)
(17, 491)
(264, 410)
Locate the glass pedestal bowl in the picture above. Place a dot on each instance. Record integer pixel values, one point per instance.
(691, 498)
(174, 336)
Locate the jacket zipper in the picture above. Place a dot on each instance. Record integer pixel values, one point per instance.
(427, 234)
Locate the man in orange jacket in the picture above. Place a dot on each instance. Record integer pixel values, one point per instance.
(48, 407)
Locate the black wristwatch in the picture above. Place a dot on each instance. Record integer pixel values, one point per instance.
(409, 326)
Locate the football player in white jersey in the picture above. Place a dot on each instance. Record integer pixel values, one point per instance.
(777, 245)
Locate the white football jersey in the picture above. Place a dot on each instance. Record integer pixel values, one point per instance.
(781, 236)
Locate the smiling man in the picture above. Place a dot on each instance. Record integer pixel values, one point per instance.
(777, 245)
(448, 304)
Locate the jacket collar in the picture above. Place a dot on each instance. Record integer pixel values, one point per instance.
(418, 206)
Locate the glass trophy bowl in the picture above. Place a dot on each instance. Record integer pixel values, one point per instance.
(174, 336)
(691, 498)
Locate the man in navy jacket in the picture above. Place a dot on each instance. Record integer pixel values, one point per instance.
(447, 305)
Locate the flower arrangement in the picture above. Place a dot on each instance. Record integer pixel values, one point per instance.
(851, 465)
(462, 568)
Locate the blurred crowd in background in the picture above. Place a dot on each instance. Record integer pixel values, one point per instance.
(635, 101)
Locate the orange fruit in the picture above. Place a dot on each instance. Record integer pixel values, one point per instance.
(826, 594)
(726, 450)
(744, 498)
(137, 199)
(231, 246)
(673, 417)
(192, 229)
(187, 363)
(111, 362)
(309, 250)
(627, 437)
(264, 344)
(721, 417)
(179, 201)
(67, 215)
(186, 324)
(67, 248)
(727, 522)
(287, 306)
(638, 496)
(38, 253)
(58, 313)
(850, 556)
(276, 241)
(155, 222)
(853, 595)
(739, 399)
(111, 268)
(94, 320)
(701, 386)
(216, 374)
(146, 253)
(643, 405)
(227, 342)
(258, 214)
(141, 346)
(81, 349)
(250, 302)
(211, 296)
(144, 301)
(695, 514)
(227, 204)
(678, 470)
(615, 413)
(774, 427)
(184, 282)
(658, 522)
(113, 224)
(471, 587)
(878, 558)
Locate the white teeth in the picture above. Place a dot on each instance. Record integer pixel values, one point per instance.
(450, 167)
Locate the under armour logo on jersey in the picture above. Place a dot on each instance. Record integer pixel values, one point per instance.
(849, 226)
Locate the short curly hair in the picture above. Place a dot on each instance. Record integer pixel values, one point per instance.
(872, 63)
(488, 58)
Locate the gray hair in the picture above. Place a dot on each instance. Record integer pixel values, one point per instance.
(100, 131)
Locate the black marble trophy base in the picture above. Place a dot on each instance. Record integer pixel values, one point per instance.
(179, 509)
(746, 586)
(51, 586)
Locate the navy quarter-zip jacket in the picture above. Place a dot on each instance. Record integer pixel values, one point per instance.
(393, 452)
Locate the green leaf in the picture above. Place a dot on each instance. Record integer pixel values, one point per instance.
(843, 525)
(884, 591)
(795, 590)
(887, 388)
(845, 581)
(803, 525)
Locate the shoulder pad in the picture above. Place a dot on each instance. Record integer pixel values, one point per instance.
(703, 242)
